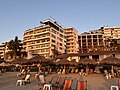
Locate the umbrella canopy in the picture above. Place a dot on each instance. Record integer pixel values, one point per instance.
(19, 61)
(110, 60)
(73, 62)
(86, 61)
(62, 62)
(38, 59)
(4, 64)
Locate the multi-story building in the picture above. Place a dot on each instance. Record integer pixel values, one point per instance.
(2, 50)
(45, 39)
(72, 40)
(111, 36)
(109, 32)
(90, 42)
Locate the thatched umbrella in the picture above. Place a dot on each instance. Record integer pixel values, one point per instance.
(110, 60)
(73, 62)
(62, 62)
(19, 61)
(38, 59)
(86, 61)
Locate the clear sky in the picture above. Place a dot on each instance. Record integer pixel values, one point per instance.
(16, 16)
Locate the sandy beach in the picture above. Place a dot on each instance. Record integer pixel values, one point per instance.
(94, 81)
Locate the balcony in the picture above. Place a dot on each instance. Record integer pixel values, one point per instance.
(39, 43)
(34, 39)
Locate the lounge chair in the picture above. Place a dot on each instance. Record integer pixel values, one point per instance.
(82, 85)
(55, 81)
(67, 84)
(22, 82)
(61, 83)
(114, 88)
(41, 79)
(52, 83)
(74, 84)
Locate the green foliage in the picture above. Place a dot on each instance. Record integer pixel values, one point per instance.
(15, 47)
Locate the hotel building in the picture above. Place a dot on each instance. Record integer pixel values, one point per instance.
(2, 50)
(90, 42)
(45, 39)
(101, 39)
(72, 40)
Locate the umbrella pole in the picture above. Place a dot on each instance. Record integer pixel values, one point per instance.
(39, 67)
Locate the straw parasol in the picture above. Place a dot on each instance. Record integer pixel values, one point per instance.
(38, 59)
(86, 61)
(73, 62)
(19, 61)
(62, 62)
(4, 64)
(110, 60)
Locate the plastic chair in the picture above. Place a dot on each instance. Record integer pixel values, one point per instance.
(82, 85)
(67, 84)
(114, 88)
(47, 87)
(74, 84)
(22, 82)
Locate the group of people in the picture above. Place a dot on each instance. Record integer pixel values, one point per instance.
(24, 71)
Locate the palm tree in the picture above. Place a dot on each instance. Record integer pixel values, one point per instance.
(14, 47)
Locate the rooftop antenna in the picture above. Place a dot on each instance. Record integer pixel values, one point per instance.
(56, 21)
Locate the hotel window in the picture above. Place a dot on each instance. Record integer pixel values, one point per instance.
(60, 44)
(53, 41)
(54, 31)
(52, 45)
(43, 50)
(53, 36)
(42, 46)
(61, 35)
(48, 40)
(37, 46)
(61, 31)
(60, 48)
(43, 40)
(38, 41)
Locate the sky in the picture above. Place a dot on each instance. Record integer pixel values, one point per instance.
(16, 16)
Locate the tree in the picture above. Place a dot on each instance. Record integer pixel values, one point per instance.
(14, 47)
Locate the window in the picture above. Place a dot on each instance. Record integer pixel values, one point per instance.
(53, 36)
(54, 31)
(61, 35)
(53, 41)
(61, 31)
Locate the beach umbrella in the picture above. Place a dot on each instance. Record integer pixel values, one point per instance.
(73, 62)
(4, 64)
(19, 61)
(62, 62)
(38, 59)
(86, 61)
(110, 60)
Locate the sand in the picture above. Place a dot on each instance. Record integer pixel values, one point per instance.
(94, 81)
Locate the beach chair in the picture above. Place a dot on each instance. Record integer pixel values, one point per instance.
(41, 80)
(67, 84)
(55, 81)
(82, 85)
(115, 87)
(22, 82)
(61, 83)
(74, 84)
